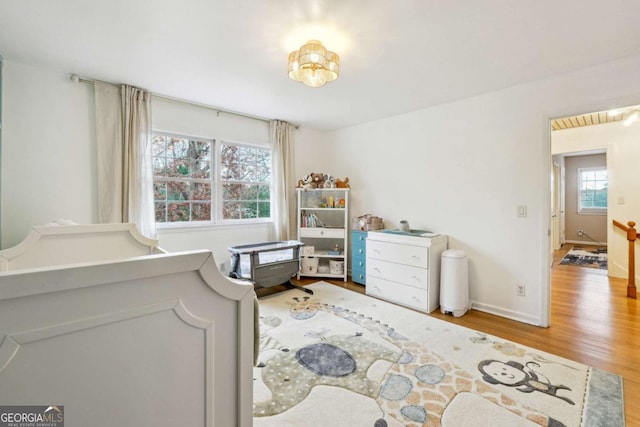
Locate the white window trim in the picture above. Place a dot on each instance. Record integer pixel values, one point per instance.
(588, 211)
(216, 189)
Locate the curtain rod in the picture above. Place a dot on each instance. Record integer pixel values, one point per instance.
(77, 79)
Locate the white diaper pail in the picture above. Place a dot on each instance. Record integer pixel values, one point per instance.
(454, 282)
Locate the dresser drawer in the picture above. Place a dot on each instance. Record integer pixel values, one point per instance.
(358, 243)
(401, 294)
(336, 233)
(358, 269)
(405, 274)
(359, 262)
(358, 251)
(417, 256)
(358, 238)
(359, 275)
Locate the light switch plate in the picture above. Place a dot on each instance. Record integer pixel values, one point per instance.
(522, 211)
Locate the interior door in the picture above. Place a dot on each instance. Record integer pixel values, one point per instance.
(562, 204)
(555, 208)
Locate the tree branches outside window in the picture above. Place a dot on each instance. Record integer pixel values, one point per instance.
(186, 182)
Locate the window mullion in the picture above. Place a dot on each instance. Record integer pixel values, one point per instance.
(217, 177)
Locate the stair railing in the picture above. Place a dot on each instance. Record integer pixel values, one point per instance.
(632, 235)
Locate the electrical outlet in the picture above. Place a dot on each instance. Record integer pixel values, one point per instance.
(580, 233)
(520, 290)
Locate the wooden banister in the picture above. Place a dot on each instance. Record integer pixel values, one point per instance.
(632, 235)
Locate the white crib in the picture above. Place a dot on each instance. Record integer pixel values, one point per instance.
(98, 319)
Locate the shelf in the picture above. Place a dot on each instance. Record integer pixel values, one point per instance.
(323, 254)
(321, 232)
(324, 238)
(337, 276)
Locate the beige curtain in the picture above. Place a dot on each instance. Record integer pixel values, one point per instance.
(123, 136)
(284, 182)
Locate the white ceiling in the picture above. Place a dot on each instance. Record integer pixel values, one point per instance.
(396, 56)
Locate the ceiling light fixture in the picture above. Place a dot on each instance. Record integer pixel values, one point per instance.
(313, 65)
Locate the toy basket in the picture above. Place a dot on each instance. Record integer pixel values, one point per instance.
(310, 264)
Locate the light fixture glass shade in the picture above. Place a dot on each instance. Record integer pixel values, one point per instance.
(313, 65)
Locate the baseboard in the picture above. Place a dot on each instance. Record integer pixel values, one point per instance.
(583, 242)
(509, 314)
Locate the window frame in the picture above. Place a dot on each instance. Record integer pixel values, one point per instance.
(590, 210)
(216, 185)
(219, 187)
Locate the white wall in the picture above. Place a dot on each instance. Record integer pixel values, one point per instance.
(49, 157)
(180, 117)
(463, 168)
(594, 225)
(192, 120)
(580, 140)
(460, 169)
(48, 151)
(311, 153)
(623, 157)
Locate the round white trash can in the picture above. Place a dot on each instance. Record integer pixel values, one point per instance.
(454, 282)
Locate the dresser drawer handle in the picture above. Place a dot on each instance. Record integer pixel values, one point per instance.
(415, 257)
(360, 251)
(361, 264)
(416, 278)
(376, 250)
(377, 270)
(361, 238)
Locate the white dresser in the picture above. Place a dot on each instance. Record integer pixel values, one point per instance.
(405, 269)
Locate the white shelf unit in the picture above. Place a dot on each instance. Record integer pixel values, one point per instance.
(324, 226)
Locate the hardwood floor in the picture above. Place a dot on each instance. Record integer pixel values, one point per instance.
(592, 322)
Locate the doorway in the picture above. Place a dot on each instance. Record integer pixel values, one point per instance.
(584, 198)
(574, 140)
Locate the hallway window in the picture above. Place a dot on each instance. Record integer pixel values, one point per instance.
(592, 194)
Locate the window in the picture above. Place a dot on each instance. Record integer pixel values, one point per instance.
(203, 181)
(245, 173)
(592, 190)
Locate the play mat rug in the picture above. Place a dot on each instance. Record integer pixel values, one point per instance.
(593, 257)
(339, 358)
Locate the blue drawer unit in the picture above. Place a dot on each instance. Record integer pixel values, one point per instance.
(359, 256)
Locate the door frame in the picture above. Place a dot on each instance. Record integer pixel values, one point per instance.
(544, 305)
(556, 197)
